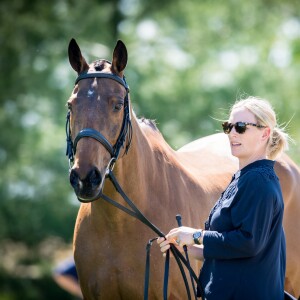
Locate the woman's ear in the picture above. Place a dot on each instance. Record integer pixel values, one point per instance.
(266, 133)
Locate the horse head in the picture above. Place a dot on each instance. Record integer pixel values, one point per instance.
(98, 120)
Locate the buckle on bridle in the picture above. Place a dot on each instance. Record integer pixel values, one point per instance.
(110, 165)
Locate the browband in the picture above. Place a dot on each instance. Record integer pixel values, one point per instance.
(120, 80)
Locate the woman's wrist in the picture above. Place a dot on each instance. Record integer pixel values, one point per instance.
(198, 237)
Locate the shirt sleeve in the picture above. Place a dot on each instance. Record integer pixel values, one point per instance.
(252, 215)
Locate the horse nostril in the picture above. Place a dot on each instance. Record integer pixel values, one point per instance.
(94, 177)
(87, 185)
(74, 179)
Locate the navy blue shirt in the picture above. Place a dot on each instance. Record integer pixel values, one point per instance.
(244, 247)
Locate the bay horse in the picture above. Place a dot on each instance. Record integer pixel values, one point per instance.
(109, 245)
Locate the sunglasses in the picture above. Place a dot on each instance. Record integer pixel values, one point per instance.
(240, 127)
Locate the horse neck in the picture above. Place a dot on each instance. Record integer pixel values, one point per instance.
(146, 174)
(131, 171)
(140, 168)
(148, 152)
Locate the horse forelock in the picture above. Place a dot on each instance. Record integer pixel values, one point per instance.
(101, 65)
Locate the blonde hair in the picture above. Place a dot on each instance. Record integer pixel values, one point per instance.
(265, 115)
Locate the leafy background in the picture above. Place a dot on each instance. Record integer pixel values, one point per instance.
(188, 62)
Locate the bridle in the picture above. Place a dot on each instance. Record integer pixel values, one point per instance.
(126, 132)
(126, 129)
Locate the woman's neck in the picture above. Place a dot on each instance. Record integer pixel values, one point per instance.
(244, 162)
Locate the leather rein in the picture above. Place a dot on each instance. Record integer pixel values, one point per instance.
(126, 132)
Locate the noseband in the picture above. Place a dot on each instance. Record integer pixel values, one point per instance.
(114, 151)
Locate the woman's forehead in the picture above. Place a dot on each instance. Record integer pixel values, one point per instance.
(241, 114)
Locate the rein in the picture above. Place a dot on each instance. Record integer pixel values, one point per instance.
(133, 211)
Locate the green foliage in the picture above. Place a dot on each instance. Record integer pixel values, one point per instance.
(202, 56)
(13, 288)
(188, 61)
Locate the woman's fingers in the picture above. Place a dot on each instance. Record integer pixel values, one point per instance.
(164, 243)
(165, 248)
(160, 240)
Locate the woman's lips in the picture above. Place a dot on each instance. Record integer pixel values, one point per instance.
(235, 144)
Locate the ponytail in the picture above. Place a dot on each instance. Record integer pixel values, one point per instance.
(278, 142)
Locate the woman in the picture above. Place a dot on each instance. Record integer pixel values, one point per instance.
(243, 243)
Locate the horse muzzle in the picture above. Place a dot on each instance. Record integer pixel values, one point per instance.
(89, 188)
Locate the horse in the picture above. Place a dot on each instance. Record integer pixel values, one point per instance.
(104, 134)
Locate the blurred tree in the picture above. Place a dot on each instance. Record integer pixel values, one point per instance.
(209, 54)
(36, 200)
(188, 61)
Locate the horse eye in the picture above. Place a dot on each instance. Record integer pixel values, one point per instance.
(118, 106)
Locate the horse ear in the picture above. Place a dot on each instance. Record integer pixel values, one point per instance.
(76, 59)
(119, 60)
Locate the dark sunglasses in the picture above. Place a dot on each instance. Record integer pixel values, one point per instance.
(240, 127)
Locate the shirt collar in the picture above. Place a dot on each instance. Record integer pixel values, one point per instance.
(253, 165)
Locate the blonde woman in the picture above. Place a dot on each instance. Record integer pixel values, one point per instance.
(243, 242)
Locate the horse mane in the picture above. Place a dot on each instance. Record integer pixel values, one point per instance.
(150, 123)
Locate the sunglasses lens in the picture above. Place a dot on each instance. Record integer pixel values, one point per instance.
(226, 127)
(240, 127)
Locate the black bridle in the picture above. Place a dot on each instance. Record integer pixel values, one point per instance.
(126, 128)
(133, 210)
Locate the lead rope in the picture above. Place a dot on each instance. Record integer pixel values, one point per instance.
(166, 274)
(147, 271)
(134, 211)
(178, 218)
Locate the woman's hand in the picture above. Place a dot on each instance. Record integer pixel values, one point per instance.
(178, 236)
(163, 244)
